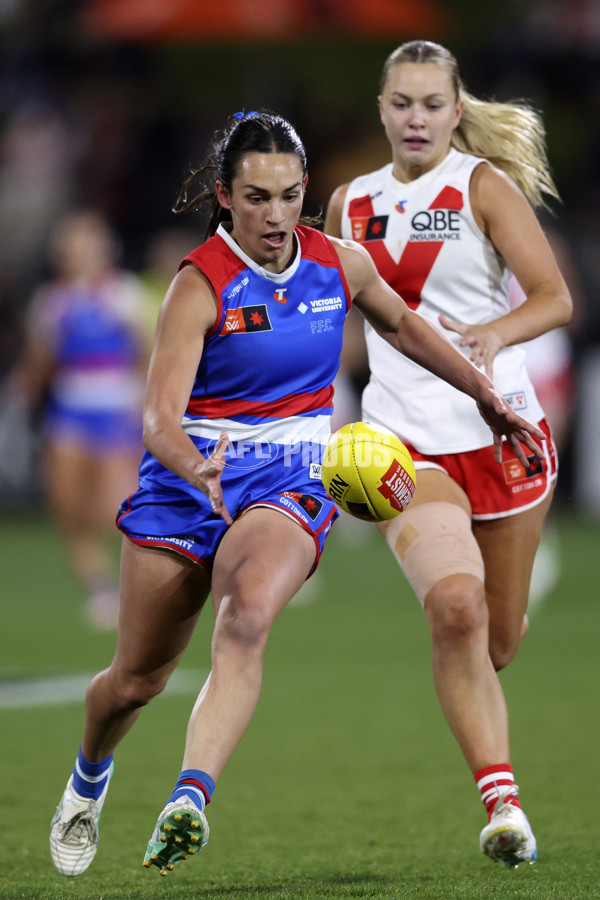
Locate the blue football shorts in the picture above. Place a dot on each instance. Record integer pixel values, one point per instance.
(169, 513)
(99, 432)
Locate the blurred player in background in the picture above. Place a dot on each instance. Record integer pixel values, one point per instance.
(550, 365)
(445, 222)
(239, 387)
(164, 251)
(84, 360)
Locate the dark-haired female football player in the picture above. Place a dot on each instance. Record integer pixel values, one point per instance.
(239, 386)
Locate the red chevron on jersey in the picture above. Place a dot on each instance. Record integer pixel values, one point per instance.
(416, 263)
(409, 275)
(448, 198)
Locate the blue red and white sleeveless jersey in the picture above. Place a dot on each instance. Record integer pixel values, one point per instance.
(95, 333)
(269, 361)
(425, 242)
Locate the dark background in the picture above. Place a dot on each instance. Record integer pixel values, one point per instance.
(109, 102)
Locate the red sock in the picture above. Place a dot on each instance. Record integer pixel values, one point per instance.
(491, 780)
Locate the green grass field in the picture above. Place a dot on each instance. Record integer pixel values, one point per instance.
(348, 783)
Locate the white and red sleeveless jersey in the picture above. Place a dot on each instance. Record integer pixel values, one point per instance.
(428, 247)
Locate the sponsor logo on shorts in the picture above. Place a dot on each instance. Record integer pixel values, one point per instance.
(285, 501)
(312, 506)
(514, 472)
(186, 543)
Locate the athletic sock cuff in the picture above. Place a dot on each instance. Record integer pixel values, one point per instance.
(198, 779)
(92, 770)
(501, 773)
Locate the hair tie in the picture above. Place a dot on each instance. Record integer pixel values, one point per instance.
(242, 115)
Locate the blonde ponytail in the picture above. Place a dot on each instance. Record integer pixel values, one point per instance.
(510, 135)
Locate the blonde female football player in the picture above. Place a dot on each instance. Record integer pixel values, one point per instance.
(446, 221)
(238, 323)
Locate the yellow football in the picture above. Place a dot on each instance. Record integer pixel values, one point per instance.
(369, 473)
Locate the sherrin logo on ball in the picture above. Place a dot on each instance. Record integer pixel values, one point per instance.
(369, 473)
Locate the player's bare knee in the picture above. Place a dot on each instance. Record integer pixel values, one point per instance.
(134, 691)
(241, 623)
(456, 609)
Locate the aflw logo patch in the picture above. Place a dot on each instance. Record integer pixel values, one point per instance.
(514, 471)
(372, 228)
(246, 319)
(311, 505)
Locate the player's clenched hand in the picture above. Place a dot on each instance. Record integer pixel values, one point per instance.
(208, 477)
(484, 341)
(502, 420)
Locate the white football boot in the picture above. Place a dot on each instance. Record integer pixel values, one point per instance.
(74, 829)
(508, 836)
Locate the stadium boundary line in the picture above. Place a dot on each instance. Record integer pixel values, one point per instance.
(58, 690)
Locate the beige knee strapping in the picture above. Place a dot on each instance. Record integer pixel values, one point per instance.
(432, 541)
